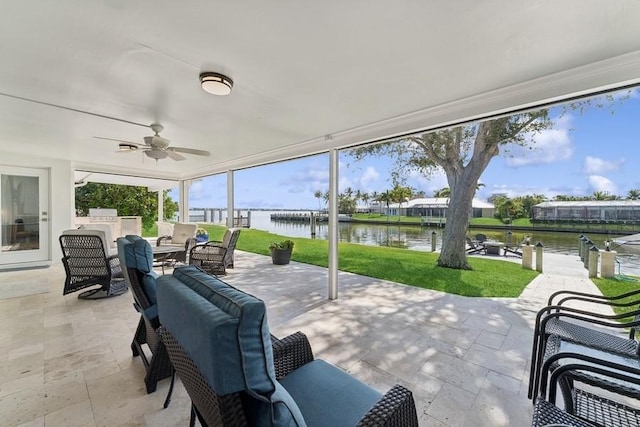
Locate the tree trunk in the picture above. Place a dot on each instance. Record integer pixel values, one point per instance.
(453, 253)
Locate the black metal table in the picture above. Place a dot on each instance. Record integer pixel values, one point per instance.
(164, 253)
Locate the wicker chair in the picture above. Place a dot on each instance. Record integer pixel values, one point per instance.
(136, 258)
(215, 257)
(603, 402)
(189, 325)
(87, 263)
(183, 235)
(572, 324)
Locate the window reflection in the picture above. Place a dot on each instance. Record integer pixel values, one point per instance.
(19, 202)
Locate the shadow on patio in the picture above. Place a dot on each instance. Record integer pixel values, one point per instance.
(465, 359)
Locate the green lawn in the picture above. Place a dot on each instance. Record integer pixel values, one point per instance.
(616, 286)
(489, 277)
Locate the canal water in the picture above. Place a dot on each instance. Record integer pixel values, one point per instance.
(419, 238)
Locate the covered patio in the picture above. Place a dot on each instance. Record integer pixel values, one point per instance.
(68, 361)
(84, 84)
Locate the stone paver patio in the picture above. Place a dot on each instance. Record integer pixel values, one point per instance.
(67, 362)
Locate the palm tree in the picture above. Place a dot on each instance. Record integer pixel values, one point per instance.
(374, 197)
(319, 195)
(633, 194)
(401, 194)
(387, 198)
(442, 193)
(365, 199)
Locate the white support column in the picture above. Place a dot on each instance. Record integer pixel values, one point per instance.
(184, 201)
(333, 224)
(230, 206)
(160, 205)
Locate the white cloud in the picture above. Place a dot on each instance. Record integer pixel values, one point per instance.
(548, 146)
(600, 183)
(598, 166)
(428, 184)
(368, 176)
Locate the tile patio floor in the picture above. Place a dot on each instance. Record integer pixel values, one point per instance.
(67, 362)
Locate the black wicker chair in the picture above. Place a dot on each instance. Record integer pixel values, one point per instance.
(87, 263)
(290, 356)
(603, 402)
(136, 257)
(215, 257)
(573, 324)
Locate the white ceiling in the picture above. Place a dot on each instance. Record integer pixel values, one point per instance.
(355, 70)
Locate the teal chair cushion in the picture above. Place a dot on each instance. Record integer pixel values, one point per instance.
(328, 396)
(136, 252)
(225, 332)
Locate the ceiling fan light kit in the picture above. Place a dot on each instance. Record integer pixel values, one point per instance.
(127, 147)
(216, 83)
(157, 147)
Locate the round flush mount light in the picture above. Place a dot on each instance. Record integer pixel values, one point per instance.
(216, 83)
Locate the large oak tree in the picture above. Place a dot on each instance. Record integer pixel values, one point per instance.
(463, 153)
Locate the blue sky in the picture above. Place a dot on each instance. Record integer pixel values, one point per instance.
(596, 150)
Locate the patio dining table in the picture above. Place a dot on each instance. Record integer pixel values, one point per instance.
(165, 253)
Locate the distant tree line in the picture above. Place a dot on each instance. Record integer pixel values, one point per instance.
(507, 208)
(349, 198)
(522, 206)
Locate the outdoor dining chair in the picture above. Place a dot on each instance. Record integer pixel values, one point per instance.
(594, 385)
(583, 326)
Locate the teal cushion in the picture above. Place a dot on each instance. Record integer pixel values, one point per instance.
(135, 252)
(328, 396)
(253, 335)
(143, 256)
(225, 332)
(282, 411)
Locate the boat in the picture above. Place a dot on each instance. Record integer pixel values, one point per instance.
(629, 243)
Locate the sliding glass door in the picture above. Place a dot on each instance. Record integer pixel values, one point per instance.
(24, 221)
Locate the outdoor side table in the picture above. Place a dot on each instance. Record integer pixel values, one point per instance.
(493, 248)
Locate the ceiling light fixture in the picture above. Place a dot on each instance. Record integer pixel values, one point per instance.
(216, 83)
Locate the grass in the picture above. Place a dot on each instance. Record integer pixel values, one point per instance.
(616, 286)
(489, 277)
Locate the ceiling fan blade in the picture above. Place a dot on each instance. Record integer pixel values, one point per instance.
(190, 151)
(175, 156)
(118, 140)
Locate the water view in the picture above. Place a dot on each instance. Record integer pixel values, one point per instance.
(419, 238)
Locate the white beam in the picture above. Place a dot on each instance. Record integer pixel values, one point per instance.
(160, 205)
(183, 207)
(230, 206)
(333, 224)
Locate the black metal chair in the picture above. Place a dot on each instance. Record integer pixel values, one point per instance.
(215, 257)
(595, 387)
(87, 263)
(573, 324)
(136, 257)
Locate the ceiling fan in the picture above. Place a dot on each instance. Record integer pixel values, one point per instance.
(156, 147)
